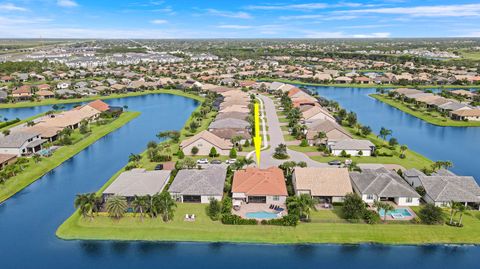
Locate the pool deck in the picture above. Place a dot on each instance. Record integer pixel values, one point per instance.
(389, 217)
(252, 207)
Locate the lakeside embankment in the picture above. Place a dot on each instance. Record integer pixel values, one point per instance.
(47, 102)
(33, 171)
(444, 121)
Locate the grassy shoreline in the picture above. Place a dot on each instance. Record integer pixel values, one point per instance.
(325, 227)
(379, 86)
(427, 118)
(22, 180)
(47, 102)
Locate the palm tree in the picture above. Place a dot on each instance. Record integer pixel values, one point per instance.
(461, 209)
(320, 136)
(140, 204)
(403, 148)
(87, 204)
(301, 205)
(116, 206)
(454, 206)
(384, 132)
(135, 158)
(385, 206)
(165, 205)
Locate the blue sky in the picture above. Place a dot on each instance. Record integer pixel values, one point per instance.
(238, 19)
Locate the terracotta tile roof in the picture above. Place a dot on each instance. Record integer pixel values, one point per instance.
(254, 181)
(99, 105)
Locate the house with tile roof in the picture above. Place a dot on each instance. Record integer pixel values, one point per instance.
(444, 186)
(352, 147)
(21, 143)
(204, 141)
(138, 182)
(254, 185)
(199, 186)
(326, 184)
(333, 131)
(383, 185)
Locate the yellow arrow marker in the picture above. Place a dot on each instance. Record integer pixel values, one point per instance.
(257, 140)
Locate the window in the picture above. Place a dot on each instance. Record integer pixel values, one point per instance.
(276, 198)
(369, 196)
(409, 199)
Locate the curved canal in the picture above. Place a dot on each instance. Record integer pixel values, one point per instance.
(29, 219)
(461, 145)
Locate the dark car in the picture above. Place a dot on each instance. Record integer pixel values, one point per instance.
(335, 162)
(216, 162)
(159, 166)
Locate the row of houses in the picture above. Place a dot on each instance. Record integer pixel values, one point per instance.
(325, 184)
(229, 125)
(456, 110)
(318, 119)
(28, 139)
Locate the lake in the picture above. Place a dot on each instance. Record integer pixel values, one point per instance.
(29, 219)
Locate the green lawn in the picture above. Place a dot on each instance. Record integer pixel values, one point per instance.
(326, 227)
(34, 171)
(92, 98)
(351, 85)
(440, 120)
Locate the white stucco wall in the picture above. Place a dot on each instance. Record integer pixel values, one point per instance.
(352, 152)
(402, 201)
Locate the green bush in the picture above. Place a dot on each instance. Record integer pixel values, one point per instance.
(304, 143)
(431, 214)
(371, 217)
(288, 220)
(214, 209)
(231, 219)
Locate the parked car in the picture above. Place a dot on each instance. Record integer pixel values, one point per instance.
(231, 161)
(202, 161)
(159, 166)
(335, 162)
(216, 162)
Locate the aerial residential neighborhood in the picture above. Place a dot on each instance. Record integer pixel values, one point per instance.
(240, 134)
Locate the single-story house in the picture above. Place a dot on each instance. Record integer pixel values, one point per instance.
(21, 143)
(444, 186)
(326, 184)
(384, 185)
(353, 147)
(138, 182)
(204, 141)
(466, 114)
(6, 159)
(333, 131)
(254, 185)
(199, 186)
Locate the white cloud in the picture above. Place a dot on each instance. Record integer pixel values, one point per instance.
(21, 20)
(67, 3)
(11, 7)
(234, 26)
(309, 6)
(425, 11)
(318, 17)
(158, 21)
(228, 14)
(372, 35)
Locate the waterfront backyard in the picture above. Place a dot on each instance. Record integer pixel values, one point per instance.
(326, 226)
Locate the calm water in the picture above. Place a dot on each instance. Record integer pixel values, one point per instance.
(28, 220)
(461, 145)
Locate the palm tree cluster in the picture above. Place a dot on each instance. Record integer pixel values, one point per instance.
(455, 208)
(300, 206)
(13, 169)
(158, 205)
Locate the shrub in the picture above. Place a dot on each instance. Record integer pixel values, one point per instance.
(180, 154)
(233, 153)
(344, 154)
(304, 143)
(227, 205)
(288, 220)
(214, 209)
(194, 151)
(161, 158)
(353, 207)
(231, 219)
(421, 190)
(213, 152)
(371, 217)
(431, 214)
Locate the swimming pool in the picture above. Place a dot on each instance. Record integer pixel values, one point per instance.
(261, 215)
(396, 213)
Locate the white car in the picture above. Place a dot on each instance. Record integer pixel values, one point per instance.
(231, 161)
(202, 161)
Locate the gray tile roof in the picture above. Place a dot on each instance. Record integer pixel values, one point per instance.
(448, 188)
(353, 144)
(139, 182)
(209, 181)
(229, 123)
(382, 183)
(16, 139)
